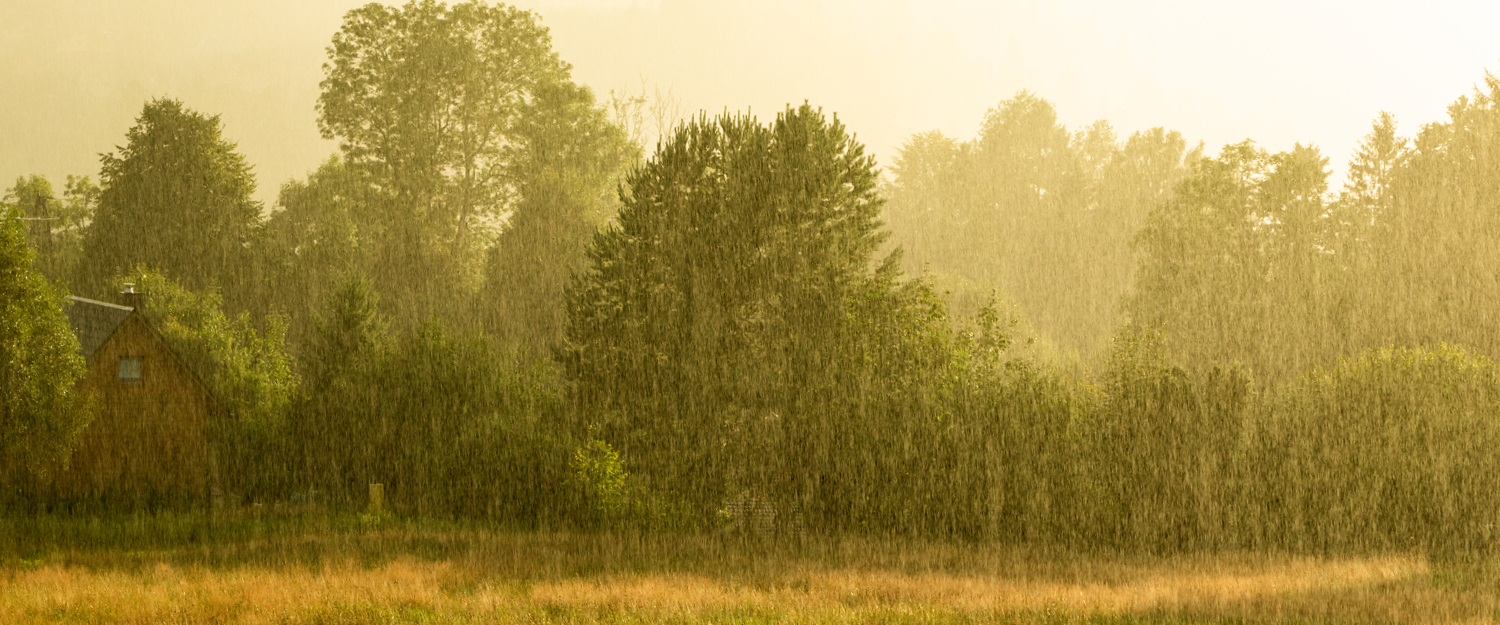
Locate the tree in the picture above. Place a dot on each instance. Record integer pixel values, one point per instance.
(1043, 215)
(1237, 264)
(246, 369)
(1367, 190)
(56, 224)
(718, 295)
(323, 231)
(424, 100)
(432, 416)
(333, 421)
(351, 335)
(1201, 278)
(176, 198)
(929, 195)
(41, 412)
(568, 161)
(1433, 243)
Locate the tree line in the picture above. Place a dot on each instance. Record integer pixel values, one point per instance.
(491, 301)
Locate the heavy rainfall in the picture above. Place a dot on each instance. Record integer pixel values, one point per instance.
(524, 349)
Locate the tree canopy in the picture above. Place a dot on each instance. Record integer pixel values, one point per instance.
(41, 413)
(1039, 213)
(425, 101)
(57, 223)
(1236, 264)
(568, 162)
(176, 198)
(724, 289)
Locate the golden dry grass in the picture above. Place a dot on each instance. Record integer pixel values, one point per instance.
(460, 575)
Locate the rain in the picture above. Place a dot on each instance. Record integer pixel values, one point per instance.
(827, 312)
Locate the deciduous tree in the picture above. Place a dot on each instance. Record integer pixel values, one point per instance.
(425, 100)
(177, 198)
(715, 314)
(41, 412)
(567, 164)
(55, 226)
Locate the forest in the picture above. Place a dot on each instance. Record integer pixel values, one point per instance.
(511, 300)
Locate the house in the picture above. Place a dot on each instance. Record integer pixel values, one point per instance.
(149, 441)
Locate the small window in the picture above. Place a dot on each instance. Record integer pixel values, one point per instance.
(130, 369)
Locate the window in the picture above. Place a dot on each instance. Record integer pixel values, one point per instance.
(130, 369)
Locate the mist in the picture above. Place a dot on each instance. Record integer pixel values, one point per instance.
(1280, 73)
(818, 312)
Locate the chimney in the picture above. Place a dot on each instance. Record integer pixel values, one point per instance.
(129, 297)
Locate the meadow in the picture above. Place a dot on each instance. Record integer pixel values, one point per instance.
(315, 568)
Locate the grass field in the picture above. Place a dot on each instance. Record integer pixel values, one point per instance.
(336, 569)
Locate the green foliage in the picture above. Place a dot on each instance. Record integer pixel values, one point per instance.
(613, 499)
(565, 168)
(721, 290)
(1236, 266)
(56, 227)
(246, 369)
(1165, 447)
(1040, 214)
(426, 102)
(866, 453)
(451, 425)
(41, 412)
(1006, 458)
(325, 228)
(1250, 262)
(1393, 450)
(597, 469)
(1429, 277)
(1367, 195)
(350, 335)
(177, 199)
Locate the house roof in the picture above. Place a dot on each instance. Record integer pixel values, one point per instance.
(94, 322)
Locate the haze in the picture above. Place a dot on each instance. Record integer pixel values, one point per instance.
(77, 72)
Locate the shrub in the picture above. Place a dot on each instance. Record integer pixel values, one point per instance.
(1393, 450)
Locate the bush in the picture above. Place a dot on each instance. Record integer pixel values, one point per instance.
(613, 499)
(1393, 450)
(451, 425)
(247, 369)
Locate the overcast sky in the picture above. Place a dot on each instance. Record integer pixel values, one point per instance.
(75, 73)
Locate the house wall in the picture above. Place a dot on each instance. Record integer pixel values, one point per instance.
(149, 439)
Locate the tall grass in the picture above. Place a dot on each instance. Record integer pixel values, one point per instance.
(318, 568)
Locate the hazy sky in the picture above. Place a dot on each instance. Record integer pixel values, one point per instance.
(75, 73)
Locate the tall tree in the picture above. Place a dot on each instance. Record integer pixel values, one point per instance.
(1366, 196)
(1235, 265)
(177, 198)
(324, 231)
(1436, 245)
(424, 100)
(1042, 215)
(1361, 225)
(929, 196)
(718, 294)
(568, 162)
(41, 412)
(55, 224)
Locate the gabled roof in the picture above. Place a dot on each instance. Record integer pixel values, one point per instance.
(94, 322)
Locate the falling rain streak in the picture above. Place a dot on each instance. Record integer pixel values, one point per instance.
(509, 309)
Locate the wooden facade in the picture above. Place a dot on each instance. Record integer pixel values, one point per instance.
(149, 440)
